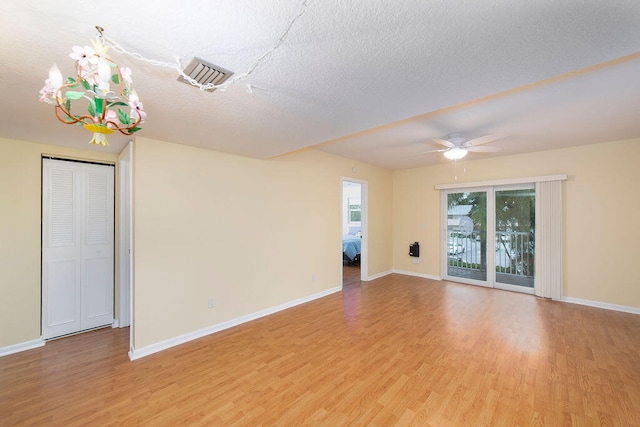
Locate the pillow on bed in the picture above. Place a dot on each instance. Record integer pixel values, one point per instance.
(354, 230)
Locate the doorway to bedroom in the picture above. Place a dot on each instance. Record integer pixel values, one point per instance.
(353, 231)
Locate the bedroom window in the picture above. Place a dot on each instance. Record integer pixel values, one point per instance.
(355, 213)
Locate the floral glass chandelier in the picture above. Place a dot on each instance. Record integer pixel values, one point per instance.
(105, 91)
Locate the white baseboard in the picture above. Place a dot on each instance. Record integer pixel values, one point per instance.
(605, 305)
(181, 339)
(115, 324)
(23, 346)
(379, 275)
(411, 273)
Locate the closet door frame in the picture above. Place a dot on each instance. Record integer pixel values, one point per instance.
(77, 281)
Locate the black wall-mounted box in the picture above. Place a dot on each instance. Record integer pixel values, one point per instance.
(414, 249)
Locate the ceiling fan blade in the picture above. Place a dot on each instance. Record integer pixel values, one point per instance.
(484, 139)
(483, 149)
(444, 142)
(432, 151)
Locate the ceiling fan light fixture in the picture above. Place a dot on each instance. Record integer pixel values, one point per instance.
(455, 153)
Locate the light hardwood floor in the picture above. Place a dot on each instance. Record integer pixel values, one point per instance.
(350, 275)
(395, 351)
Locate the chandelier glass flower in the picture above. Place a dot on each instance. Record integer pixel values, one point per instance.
(100, 97)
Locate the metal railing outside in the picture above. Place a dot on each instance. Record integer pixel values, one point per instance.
(514, 253)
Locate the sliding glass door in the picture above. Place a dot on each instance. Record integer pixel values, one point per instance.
(515, 237)
(489, 237)
(466, 243)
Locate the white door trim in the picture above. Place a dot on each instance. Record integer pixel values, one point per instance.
(124, 237)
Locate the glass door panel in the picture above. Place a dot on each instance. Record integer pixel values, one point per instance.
(515, 237)
(467, 235)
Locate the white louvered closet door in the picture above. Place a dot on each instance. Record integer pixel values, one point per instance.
(77, 247)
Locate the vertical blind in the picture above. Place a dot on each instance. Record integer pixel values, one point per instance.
(548, 281)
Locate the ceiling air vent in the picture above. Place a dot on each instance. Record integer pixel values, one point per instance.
(204, 73)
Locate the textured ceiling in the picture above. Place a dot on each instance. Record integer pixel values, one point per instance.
(373, 81)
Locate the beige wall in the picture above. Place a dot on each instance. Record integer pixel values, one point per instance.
(601, 247)
(20, 189)
(252, 233)
(249, 233)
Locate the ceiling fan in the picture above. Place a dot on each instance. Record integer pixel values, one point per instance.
(457, 146)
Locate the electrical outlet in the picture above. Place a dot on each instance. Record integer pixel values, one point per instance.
(314, 277)
(212, 302)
